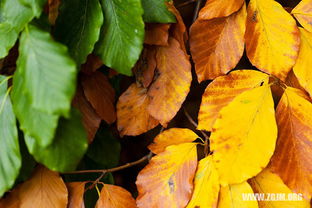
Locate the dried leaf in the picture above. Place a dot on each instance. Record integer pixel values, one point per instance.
(115, 197)
(167, 181)
(232, 196)
(272, 37)
(292, 81)
(132, 115)
(269, 183)
(292, 159)
(44, 189)
(53, 6)
(303, 12)
(171, 136)
(221, 91)
(11, 200)
(218, 44)
(92, 64)
(304, 61)
(206, 185)
(156, 34)
(169, 90)
(217, 8)
(76, 192)
(245, 125)
(101, 95)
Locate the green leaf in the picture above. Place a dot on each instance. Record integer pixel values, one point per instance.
(78, 26)
(48, 72)
(105, 149)
(156, 11)
(14, 17)
(35, 5)
(122, 35)
(10, 157)
(69, 145)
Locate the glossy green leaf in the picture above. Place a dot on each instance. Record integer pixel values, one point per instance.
(8, 37)
(122, 35)
(10, 157)
(156, 11)
(69, 145)
(35, 5)
(78, 26)
(48, 72)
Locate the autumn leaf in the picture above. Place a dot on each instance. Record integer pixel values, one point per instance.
(92, 64)
(303, 63)
(292, 158)
(132, 115)
(272, 37)
(232, 196)
(75, 194)
(167, 181)
(156, 34)
(302, 13)
(115, 197)
(217, 8)
(101, 95)
(171, 136)
(206, 185)
(293, 81)
(169, 90)
(217, 45)
(44, 189)
(269, 183)
(222, 90)
(236, 133)
(11, 200)
(53, 7)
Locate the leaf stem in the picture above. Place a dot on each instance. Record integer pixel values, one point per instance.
(196, 11)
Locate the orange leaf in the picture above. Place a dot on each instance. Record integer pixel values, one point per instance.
(145, 67)
(53, 6)
(221, 91)
(218, 44)
(132, 115)
(101, 95)
(44, 189)
(292, 81)
(217, 8)
(156, 34)
(169, 90)
(92, 64)
(272, 37)
(11, 200)
(115, 197)
(90, 119)
(167, 181)
(303, 13)
(292, 158)
(76, 192)
(171, 136)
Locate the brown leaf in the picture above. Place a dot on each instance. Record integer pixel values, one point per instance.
(132, 115)
(169, 90)
(90, 119)
(218, 44)
(217, 8)
(115, 197)
(145, 67)
(292, 81)
(45, 189)
(53, 6)
(76, 192)
(101, 95)
(92, 64)
(292, 158)
(11, 200)
(156, 34)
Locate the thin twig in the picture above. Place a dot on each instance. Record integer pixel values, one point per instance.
(185, 3)
(196, 11)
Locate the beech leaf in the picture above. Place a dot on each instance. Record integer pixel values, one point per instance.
(302, 13)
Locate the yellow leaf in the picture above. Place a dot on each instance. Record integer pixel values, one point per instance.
(76, 193)
(45, 189)
(303, 13)
(132, 116)
(218, 44)
(217, 8)
(304, 61)
(167, 181)
(244, 135)
(115, 197)
(272, 37)
(273, 188)
(206, 185)
(221, 91)
(171, 136)
(292, 159)
(169, 90)
(233, 196)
